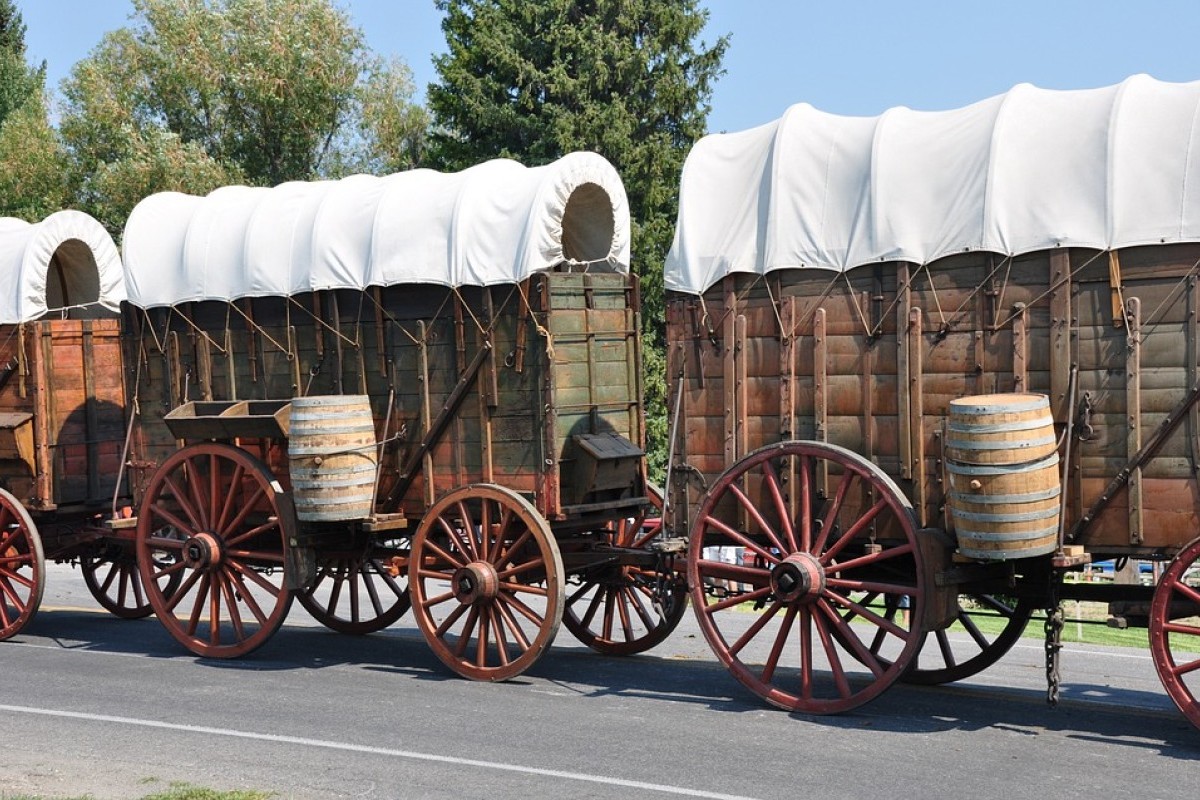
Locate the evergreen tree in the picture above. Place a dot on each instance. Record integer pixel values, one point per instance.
(535, 79)
(32, 182)
(18, 81)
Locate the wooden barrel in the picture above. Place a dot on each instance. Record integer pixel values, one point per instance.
(1005, 511)
(1002, 464)
(1000, 429)
(332, 457)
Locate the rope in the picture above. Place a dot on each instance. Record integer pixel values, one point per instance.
(821, 297)
(463, 302)
(197, 329)
(153, 334)
(549, 337)
(319, 321)
(137, 382)
(392, 318)
(1003, 289)
(261, 330)
(971, 295)
(854, 302)
(775, 308)
(358, 320)
(572, 263)
(1053, 286)
(64, 310)
(900, 289)
(1150, 320)
(937, 301)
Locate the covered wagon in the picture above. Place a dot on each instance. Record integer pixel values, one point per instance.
(62, 421)
(927, 366)
(381, 392)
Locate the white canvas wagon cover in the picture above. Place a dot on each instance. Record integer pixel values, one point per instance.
(87, 267)
(497, 222)
(1027, 170)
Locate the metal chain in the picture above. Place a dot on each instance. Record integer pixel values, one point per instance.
(1054, 628)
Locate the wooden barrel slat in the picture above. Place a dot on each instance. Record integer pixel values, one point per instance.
(1000, 429)
(1003, 468)
(332, 457)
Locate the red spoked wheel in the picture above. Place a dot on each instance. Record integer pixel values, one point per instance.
(486, 579)
(358, 593)
(621, 609)
(218, 520)
(1175, 631)
(947, 655)
(22, 567)
(111, 575)
(801, 558)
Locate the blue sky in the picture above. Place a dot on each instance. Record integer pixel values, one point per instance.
(855, 57)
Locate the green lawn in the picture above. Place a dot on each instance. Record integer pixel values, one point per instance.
(1085, 622)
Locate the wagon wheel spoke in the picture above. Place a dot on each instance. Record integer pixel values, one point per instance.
(194, 577)
(168, 518)
(111, 575)
(642, 604)
(1175, 631)
(193, 522)
(22, 567)
(358, 595)
(798, 592)
(486, 580)
(215, 551)
(965, 649)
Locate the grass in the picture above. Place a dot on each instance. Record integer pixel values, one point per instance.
(1085, 623)
(184, 791)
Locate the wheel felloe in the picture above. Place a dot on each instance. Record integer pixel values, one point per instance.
(211, 537)
(621, 610)
(22, 567)
(1175, 631)
(944, 657)
(802, 558)
(486, 580)
(359, 593)
(111, 575)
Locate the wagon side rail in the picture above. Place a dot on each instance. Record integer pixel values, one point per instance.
(1143, 456)
(437, 429)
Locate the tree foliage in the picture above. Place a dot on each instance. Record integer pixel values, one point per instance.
(33, 166)
(629, 79)
(18, 81)
(387, 132)
(198, 93)
(32, 182)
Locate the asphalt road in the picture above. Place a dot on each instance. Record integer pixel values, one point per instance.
(94, 704)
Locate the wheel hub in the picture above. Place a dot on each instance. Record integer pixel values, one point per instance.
(476, 581)
(202, 551)
(798, 578)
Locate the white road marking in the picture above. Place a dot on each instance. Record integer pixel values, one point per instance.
(1137, 655)
(382, 751)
